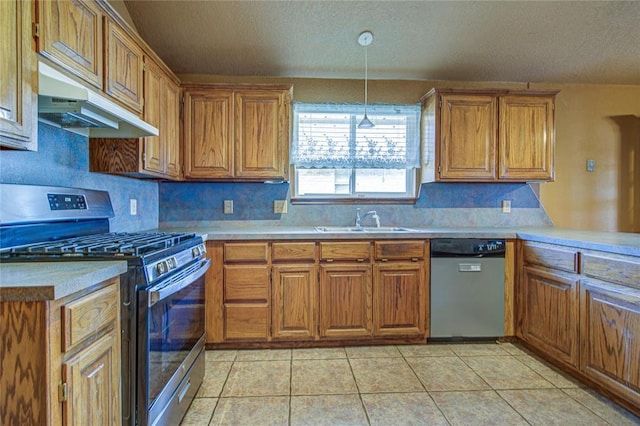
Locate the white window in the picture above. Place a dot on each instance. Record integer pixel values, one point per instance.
(334, 159)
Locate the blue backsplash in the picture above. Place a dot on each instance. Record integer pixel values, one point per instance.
(62, 159)
(439, 204)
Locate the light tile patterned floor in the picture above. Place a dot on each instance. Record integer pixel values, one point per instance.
(443, 384)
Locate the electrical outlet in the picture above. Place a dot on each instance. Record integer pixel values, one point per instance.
(133, 207)
(591, 165)
(506, 206)
(280, 206)
(228, 206)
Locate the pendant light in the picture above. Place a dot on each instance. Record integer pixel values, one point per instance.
(364, 39)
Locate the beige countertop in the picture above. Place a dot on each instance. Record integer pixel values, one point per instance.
(613, 242)
(41, 281)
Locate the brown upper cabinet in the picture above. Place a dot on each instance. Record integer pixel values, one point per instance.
(18, 85)
(70, 34)
(488, 135)
(236, 132)
(124, 67)
(152, 156)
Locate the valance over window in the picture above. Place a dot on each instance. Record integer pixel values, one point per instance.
(327, 136)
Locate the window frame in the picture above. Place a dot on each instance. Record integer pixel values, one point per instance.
(412, 177)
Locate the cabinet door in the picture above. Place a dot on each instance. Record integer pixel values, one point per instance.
(71, 36)
(154, 146)
(550, 316)
(124, 68)
(399, 299)
(609, 337)
(345, 301)
(93, 380)
(261, 134)
(18, 85)
(526, 138)
(171, 128)
(467, 137)
(294, 302)
(208, 134)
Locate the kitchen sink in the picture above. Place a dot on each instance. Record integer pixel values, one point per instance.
(382, 229)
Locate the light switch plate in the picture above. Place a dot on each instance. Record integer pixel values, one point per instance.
(133, 206)
(228, 206)
(280, 206)
(506, 206)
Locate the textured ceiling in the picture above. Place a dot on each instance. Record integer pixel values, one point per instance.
(554, 42)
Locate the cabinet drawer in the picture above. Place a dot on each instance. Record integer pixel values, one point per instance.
(293, 251)
(551, 256)
(246, 282)
(354, 251)
(246, 252)
(386, 250)
(246, 322)
(610, 267)
(85, 316)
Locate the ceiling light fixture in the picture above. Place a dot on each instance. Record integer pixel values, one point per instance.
(365, 39)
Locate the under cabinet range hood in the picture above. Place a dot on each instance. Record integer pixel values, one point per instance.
(64, 103)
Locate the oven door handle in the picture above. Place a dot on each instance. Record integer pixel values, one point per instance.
(156, 294)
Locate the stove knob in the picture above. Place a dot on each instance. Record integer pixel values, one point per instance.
(161, 268)
(195, 252)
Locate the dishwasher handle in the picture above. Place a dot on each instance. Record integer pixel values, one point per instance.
(469, 267)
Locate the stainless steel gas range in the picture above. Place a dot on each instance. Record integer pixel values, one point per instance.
(162, 292)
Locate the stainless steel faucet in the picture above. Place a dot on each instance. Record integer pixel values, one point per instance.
(371, 213)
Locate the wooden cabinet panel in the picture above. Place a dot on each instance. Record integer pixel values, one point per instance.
(468, 137)
(551, 256)
(208, 134)
(611, 267)
(289, 251)
(550, 313)
(526, 138)
(359, 251)
(261, 134)
(153, 155)
(399, 299)
(246, 252)
(18, 85)
(124, 67)
(71, 36)
(93, 378)
(488, 135)
(237, 132)
(246, 322)
(294, 302)
(394, 250)
(171, 129)
(246, 283)
(610, 345)
(345, 301)
(85, 317)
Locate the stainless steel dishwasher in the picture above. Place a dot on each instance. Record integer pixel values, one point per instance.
(467, 289)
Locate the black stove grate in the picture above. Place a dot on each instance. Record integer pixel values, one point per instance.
(108, 244)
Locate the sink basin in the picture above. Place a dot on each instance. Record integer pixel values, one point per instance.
(382, 229)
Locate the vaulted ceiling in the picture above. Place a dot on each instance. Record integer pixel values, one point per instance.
(525, 41)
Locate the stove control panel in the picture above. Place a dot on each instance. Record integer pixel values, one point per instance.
(169, 264)
(67, 202)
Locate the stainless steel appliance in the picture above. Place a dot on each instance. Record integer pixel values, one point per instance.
(162, 292)
(467, 289)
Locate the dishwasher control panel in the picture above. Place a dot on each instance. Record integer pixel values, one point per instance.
(467, 247)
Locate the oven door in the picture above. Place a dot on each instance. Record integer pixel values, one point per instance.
(171, 337)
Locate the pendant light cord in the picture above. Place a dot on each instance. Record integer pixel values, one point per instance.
(366, 79)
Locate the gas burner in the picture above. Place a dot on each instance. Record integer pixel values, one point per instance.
(109, 244)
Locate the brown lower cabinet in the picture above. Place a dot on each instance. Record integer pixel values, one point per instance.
(281, 292)
(64, 355)
(581, 310)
